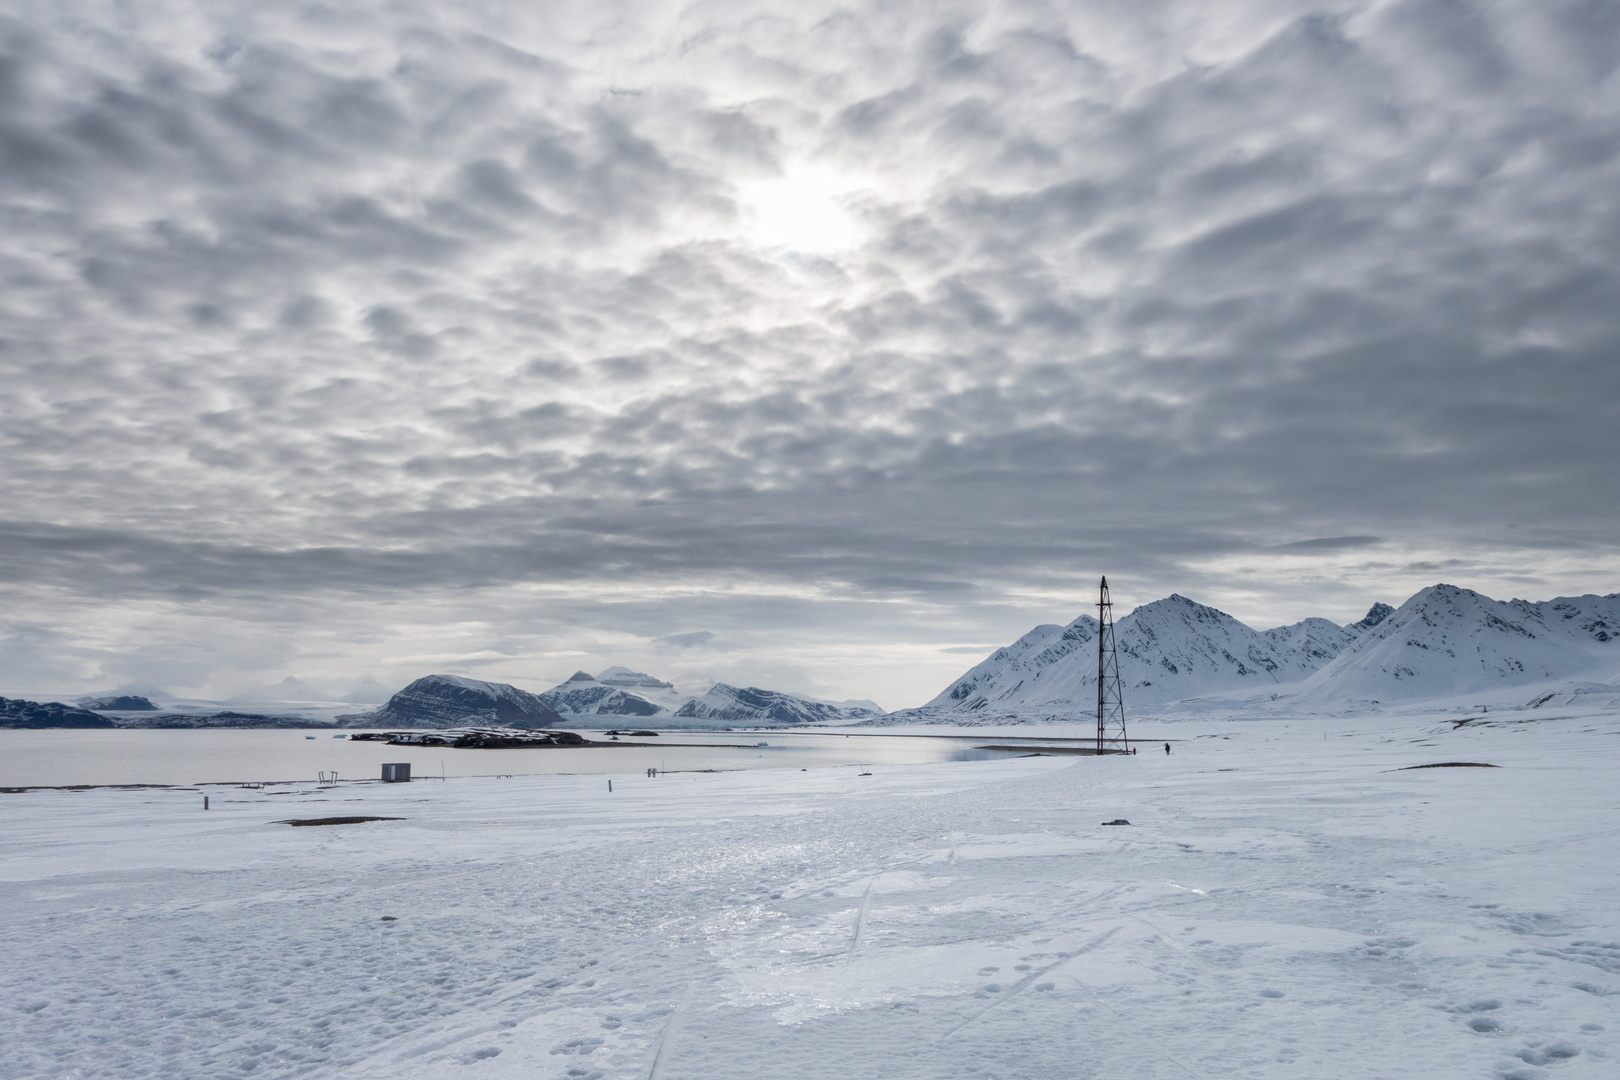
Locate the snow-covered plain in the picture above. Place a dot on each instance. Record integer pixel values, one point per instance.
(1286, 902)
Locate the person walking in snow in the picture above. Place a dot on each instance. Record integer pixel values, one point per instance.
(1167, 748)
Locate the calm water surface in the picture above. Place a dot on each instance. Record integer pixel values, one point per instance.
(61, 757)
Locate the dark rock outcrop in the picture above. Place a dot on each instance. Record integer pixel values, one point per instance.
(17, 713)
(1375, 615)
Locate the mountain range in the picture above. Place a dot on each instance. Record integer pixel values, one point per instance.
(1443, 641)
(750, 704)
(618, 691)
(438, 701)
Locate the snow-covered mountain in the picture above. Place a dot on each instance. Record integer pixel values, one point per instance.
(1446, 641)
(619, 691)
(616, 692)
(751, 705)
(1443, 641)
(1169, 650)
(452, 701)
(637, 680)
(17, 713)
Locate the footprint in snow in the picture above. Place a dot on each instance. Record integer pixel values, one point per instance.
(1547, 1055)
(580, 1046)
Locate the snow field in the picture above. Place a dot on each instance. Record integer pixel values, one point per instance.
(1283, 904)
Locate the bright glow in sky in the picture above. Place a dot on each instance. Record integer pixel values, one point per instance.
(804, 210)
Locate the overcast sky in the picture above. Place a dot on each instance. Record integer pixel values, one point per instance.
(820, 347)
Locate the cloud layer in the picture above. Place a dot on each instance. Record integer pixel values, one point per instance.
(412, 336)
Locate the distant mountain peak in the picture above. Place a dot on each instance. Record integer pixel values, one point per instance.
(118, 703)
(584, 694)
(436, 701)
(291, 688)
(623, 676)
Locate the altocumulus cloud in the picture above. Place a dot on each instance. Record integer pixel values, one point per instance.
(515, 338)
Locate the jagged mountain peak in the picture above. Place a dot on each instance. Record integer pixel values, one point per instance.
(1375, 615)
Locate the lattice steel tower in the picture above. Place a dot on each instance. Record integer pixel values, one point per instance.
(1111, 738)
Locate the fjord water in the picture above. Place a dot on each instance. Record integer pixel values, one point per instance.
(58, 758)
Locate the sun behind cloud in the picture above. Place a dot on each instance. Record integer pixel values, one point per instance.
(805, 210)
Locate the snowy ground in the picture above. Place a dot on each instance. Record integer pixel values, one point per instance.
(1283, 904)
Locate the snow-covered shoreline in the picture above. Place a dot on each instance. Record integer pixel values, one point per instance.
(1285, 902)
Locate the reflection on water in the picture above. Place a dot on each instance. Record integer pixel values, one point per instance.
(55, 758)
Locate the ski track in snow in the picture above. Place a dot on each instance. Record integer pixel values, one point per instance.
(1281, 906)
(860, 920)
